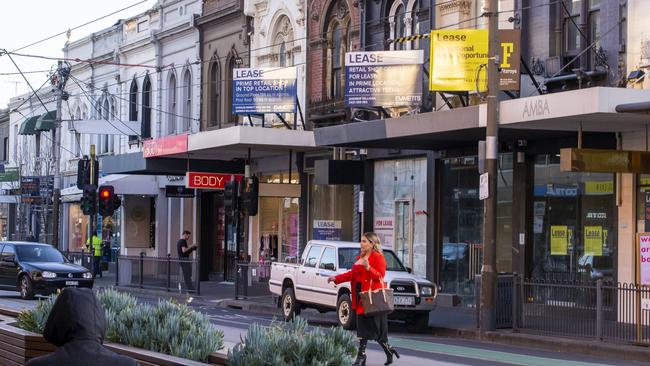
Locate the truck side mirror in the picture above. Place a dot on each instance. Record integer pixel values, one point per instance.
(409, 270)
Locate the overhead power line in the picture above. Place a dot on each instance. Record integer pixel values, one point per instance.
(80, 26)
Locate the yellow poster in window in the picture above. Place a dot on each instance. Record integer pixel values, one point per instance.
(559, 240)
(594, 240)
(458, 58)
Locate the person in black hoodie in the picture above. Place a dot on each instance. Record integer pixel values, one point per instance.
(77, 326)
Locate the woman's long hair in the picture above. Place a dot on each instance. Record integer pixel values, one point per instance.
(374, 239)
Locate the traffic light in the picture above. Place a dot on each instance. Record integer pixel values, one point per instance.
(89, 199)
(83, 172)
(108, 201)
(231, 199)
(250, 196)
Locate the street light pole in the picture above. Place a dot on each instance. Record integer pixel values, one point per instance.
(488, 270)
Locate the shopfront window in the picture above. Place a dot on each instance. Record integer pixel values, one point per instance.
(278, 218)
(77, 228)
(461, 221)
(330, 211)
(400, 209)
(574, 223)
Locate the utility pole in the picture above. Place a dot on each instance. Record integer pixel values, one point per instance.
(488, 270)
(56, 154)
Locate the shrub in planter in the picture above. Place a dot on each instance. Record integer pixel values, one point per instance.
(166, 327)
(294, 344)
(34, 320)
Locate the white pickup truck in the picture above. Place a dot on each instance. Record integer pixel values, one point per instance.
(304, 285)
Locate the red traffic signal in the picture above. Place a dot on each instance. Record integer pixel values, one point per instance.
(105, 193)
(107, 201)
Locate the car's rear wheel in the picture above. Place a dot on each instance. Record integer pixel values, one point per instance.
(25, 288)
(290, 306)
(346, 316)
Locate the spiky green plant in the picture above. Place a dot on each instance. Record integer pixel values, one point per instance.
(167, 327)
(34, 320)
(294, 344)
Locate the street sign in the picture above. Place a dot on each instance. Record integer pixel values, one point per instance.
(30, 189)
(209, 180)
(484, 187)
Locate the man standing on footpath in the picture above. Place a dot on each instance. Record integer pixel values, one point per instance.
(96, 249)
(184, 251)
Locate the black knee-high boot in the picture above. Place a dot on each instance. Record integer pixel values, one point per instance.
(389, 351)
(361, 353)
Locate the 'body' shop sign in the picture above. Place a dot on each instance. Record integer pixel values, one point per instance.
(209, 180)
(644, 258)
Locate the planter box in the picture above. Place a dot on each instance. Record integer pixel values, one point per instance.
(17, 346)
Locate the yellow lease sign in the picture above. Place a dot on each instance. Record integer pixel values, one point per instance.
(559, 240)
(594, 240)
(458, 58)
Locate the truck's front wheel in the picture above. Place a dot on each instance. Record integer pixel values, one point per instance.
(346, 315)
(290, 306)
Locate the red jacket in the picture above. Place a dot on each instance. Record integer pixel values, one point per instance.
(358, 274)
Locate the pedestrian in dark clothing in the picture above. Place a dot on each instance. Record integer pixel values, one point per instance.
(31, 237)
(77, 326)
(366, 274)
(184, 251)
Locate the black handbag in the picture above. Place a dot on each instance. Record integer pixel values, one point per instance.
(377, 302)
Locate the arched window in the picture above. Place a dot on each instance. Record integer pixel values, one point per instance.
(146, 109)
(187, 101)
(338, 38)
(283, 54)
(133, 105)
(401, 24)
(283, 39)
(338, 41)
(171, 105)
(215, 93)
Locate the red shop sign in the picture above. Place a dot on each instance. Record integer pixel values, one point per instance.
(167, 145)
(209, 180)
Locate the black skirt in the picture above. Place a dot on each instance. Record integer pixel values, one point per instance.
(371, 327)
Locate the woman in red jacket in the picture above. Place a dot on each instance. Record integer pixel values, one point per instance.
(368, 273)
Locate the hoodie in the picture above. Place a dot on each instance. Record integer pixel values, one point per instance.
(77, 325)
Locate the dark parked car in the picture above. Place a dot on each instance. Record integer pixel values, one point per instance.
(33, 268)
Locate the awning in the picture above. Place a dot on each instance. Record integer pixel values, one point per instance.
(46, 122)
(234, 143)
(123, 184)
(547, 117)
(28, 126)
(135, 163)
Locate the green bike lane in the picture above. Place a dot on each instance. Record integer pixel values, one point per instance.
(439, 351)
